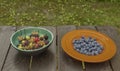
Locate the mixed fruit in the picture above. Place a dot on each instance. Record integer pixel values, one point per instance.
(88, 46)
(33, 41)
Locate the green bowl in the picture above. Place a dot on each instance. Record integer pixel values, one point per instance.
(27, 31)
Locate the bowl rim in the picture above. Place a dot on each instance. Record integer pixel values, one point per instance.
(34, 49)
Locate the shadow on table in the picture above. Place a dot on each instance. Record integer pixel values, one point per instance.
(21, 61)
(69, 63)
(42, 60)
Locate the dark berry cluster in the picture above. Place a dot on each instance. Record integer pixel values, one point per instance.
(32, 41)
(88, 46)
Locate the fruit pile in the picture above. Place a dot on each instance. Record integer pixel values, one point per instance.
(33, 41)
(88, 46)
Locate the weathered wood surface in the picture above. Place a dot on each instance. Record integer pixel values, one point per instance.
(47, 60)
(16, 61)
(5, 34)
(113, 33)
(54, 59)
(66, 63)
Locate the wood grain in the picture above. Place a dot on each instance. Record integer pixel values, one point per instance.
(65, 62)
(16, 61)
(5, 34)
(47, 60)
(112, 32)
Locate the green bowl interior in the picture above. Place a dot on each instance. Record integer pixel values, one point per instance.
(28, 31)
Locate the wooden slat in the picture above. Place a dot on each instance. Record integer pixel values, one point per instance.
(113, 33)
(105, 66)
(16, 61)
(86, 27)
(5, 33)
(47, 60)
(65, 62)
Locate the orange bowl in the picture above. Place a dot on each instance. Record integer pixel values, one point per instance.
(108, 44)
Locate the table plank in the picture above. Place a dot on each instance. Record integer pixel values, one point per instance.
(16, 61)
(47, 60)
(65, 62)
(105, 66)
(86, 27)
(113, 33)
(5, 33)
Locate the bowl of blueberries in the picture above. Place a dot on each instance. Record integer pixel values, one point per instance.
(32, 40)
(88, 46)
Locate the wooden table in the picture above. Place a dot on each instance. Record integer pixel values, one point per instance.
(54, 59)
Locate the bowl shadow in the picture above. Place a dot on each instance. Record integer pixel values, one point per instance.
(41, 61)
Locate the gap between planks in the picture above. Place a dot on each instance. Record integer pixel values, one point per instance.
(96, 27)
(13, 29)
(6, 57)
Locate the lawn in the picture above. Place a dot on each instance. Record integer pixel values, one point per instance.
(59, 12)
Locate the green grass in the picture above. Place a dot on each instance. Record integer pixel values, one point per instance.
(59, 12)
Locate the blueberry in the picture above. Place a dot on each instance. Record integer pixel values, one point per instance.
(101, 47)
(89, 53)
(85, 51)
(81, 51)
(87, 42)
(89, 50)
(82, 41)
(99, 51)
(96, 52)
(92, 43)
(98, 45)
(74, 41)
(75, 44)
(91, 40)
(77, 50)
(87, 45)
(87, 39)
(83, 37)
(77, 47)
(92, 53)
(95, 42)
(84, 44)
